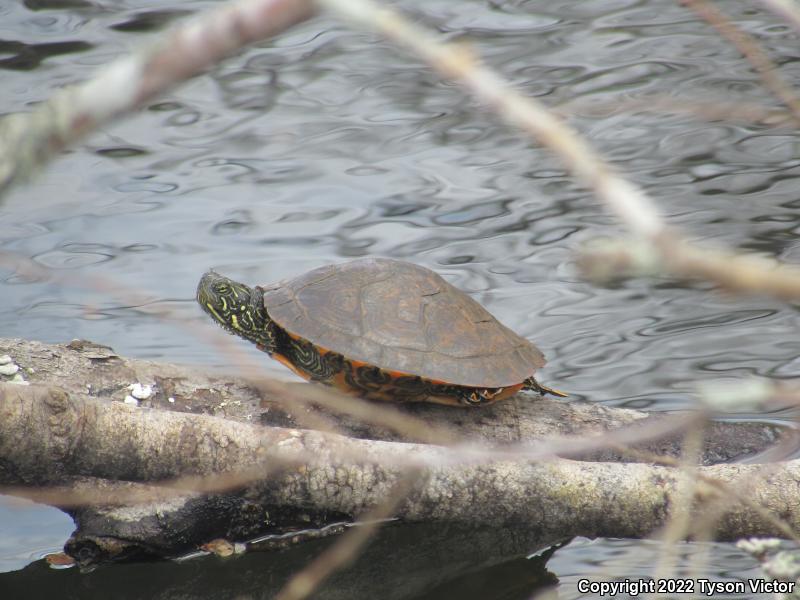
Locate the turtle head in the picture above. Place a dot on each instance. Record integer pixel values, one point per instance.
(237, 308)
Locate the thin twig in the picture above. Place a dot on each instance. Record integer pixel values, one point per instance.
(457, 62)
(345, 550)
(700, 108)
(751, 50)
(29, 140)
(721, 490)
(679, 522)
(291, 398)
(788, 9)
(629, 202)
(608, 260)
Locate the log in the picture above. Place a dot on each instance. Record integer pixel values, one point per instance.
(278, 479)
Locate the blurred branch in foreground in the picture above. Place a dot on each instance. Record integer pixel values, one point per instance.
(637, 210)
(48, 437)
(751, 50)
(29, 140)
(788, 9)
(608, 260)
(347, 548)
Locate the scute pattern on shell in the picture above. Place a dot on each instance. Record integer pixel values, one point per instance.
(402, 317)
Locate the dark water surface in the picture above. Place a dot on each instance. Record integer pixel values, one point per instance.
(327, 144)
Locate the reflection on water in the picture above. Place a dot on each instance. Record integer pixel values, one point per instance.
(327, 144)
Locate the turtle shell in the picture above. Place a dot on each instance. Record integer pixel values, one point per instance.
(402, 317)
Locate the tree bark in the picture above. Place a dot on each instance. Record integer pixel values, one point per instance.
(290, 478)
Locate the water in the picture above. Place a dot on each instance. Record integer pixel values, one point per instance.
(328, 144)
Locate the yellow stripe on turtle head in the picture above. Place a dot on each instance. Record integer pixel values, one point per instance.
(213, 312)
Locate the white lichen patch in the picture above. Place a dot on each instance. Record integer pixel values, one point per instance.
(10, 371)
(342, 476)
(740, 395)
(778, 564)
(759, 546)
(288, 443)
(139, 391)
(163, 508)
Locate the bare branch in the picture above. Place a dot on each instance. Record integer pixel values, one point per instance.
(788, 9)
(751, 50)
(28, 140)
(345, 550)
(627, 201)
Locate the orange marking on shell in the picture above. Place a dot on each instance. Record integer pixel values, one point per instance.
(507, 392)
(289, 365)
(359, 363)
(384, 393)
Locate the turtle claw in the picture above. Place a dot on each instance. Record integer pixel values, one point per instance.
(476, 397)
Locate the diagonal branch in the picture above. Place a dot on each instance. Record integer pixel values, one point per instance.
(29, 140)
(665, 248)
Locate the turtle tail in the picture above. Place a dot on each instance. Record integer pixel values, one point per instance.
(532, 384)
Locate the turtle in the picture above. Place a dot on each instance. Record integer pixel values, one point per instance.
(383, 329)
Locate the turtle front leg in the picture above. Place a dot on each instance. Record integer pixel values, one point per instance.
(268, 338)
(531, 384)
